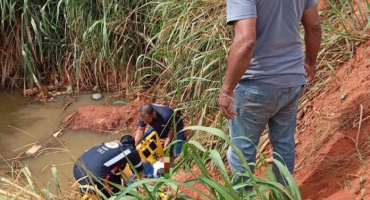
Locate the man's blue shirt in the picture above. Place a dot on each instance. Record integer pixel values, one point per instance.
(164, 121)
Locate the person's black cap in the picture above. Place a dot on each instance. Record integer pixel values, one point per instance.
(128, 139)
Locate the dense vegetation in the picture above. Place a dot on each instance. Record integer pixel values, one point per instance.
(181, 44)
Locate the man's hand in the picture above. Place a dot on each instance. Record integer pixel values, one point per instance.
(310, 72)
(141, 174)
(225, 102)
(312, 27)
(169, 138)
(139, 134)
(166, 142)
(239, 57)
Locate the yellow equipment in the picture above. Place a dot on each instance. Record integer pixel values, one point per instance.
(127, 172)
(151, 148)
(162, 195)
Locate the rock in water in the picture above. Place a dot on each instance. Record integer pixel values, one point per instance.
(97, 96)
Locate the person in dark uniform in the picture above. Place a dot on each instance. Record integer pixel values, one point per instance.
(101, 163)
(165, 121)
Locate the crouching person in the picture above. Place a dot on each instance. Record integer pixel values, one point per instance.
(101, 164)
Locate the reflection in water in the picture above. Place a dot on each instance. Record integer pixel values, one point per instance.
(26, 122)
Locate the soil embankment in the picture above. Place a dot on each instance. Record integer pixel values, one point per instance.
(333, 155)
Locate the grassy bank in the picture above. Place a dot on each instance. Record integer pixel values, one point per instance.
(180, 45)
(20, 184)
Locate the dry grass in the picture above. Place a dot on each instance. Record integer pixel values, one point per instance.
(327, 125)
(358, 108)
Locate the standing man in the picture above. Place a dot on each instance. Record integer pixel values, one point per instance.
(167, 123)
(266, 76)
(101, 163)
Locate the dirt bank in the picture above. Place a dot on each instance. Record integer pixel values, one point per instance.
(103, 118)
(106, 118)
(335, 150)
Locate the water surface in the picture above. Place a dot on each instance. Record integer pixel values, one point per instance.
(25, 122)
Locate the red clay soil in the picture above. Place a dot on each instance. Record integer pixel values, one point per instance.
(329, 166)
(186, 176)
(102, 118)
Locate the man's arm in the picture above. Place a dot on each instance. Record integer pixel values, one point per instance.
(176, 122)
(136, 162)
(311, 23)
(139, 135)
(238, 61)
(169, 138)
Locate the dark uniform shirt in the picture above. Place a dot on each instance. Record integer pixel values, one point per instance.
(165, 120)
(103, 159)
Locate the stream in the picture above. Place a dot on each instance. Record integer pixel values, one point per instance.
(24, 122)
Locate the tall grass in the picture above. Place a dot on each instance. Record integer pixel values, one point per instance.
(344, 27)
(265, 187)
(78, 42)
(188, 53)
(180, 44)
(22, 185)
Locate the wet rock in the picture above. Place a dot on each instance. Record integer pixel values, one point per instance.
(97, 96)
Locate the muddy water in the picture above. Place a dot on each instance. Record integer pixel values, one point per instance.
(24, 122)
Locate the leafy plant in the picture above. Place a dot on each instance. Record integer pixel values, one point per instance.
(265, 187)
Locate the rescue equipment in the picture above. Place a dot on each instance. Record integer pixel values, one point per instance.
(151, 148)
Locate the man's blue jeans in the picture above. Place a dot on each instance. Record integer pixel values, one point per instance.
(259, 105)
